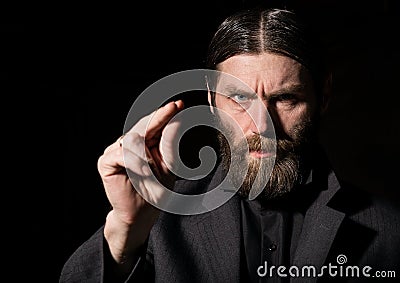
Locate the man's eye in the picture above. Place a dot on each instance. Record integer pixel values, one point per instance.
(240, 98)
(287, 98)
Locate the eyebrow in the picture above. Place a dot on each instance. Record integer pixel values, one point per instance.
(233, 89)
(295, 89)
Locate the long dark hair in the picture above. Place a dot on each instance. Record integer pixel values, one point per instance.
(254, 31)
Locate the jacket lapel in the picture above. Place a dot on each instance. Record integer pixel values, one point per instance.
(320, 226)
(218, 234)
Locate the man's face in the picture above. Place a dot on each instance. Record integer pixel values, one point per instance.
(282, 105)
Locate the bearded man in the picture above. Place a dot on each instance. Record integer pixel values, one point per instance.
(291, 218)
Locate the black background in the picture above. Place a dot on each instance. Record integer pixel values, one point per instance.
(71, 71)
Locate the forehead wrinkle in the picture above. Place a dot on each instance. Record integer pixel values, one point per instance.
(286, 80)
(266, 72)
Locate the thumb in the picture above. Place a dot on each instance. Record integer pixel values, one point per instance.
(169, 144)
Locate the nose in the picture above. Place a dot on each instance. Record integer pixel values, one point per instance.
(261, 121)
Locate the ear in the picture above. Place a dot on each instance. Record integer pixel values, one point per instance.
(326, 93)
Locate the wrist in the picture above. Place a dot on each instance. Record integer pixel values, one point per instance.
(121, 239)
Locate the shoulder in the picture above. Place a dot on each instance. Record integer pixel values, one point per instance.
(368, 208)
(363, 206)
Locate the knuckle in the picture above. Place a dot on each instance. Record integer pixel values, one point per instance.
(133, 138)
(100, 162)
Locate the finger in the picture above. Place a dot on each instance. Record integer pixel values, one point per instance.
(151, 125)
(169, 144)
(136, 164)
(111, 162)
(118, 159)
(114, 145)
(134, 142)
(160, 119)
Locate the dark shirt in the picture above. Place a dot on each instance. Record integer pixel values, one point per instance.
(271, 230)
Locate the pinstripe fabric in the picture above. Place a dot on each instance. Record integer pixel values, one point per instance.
(86, 264)
(207, 247)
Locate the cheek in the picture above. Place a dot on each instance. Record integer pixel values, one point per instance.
(244, 121)
(238, 125)
(237, 120)
(290, 119)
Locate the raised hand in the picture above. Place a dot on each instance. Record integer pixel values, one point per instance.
(131, 218)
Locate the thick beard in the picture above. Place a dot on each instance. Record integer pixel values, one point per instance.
(275, 177)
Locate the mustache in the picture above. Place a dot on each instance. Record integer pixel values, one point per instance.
(260, 143)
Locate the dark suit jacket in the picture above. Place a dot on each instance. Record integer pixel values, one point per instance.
(207, 247)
